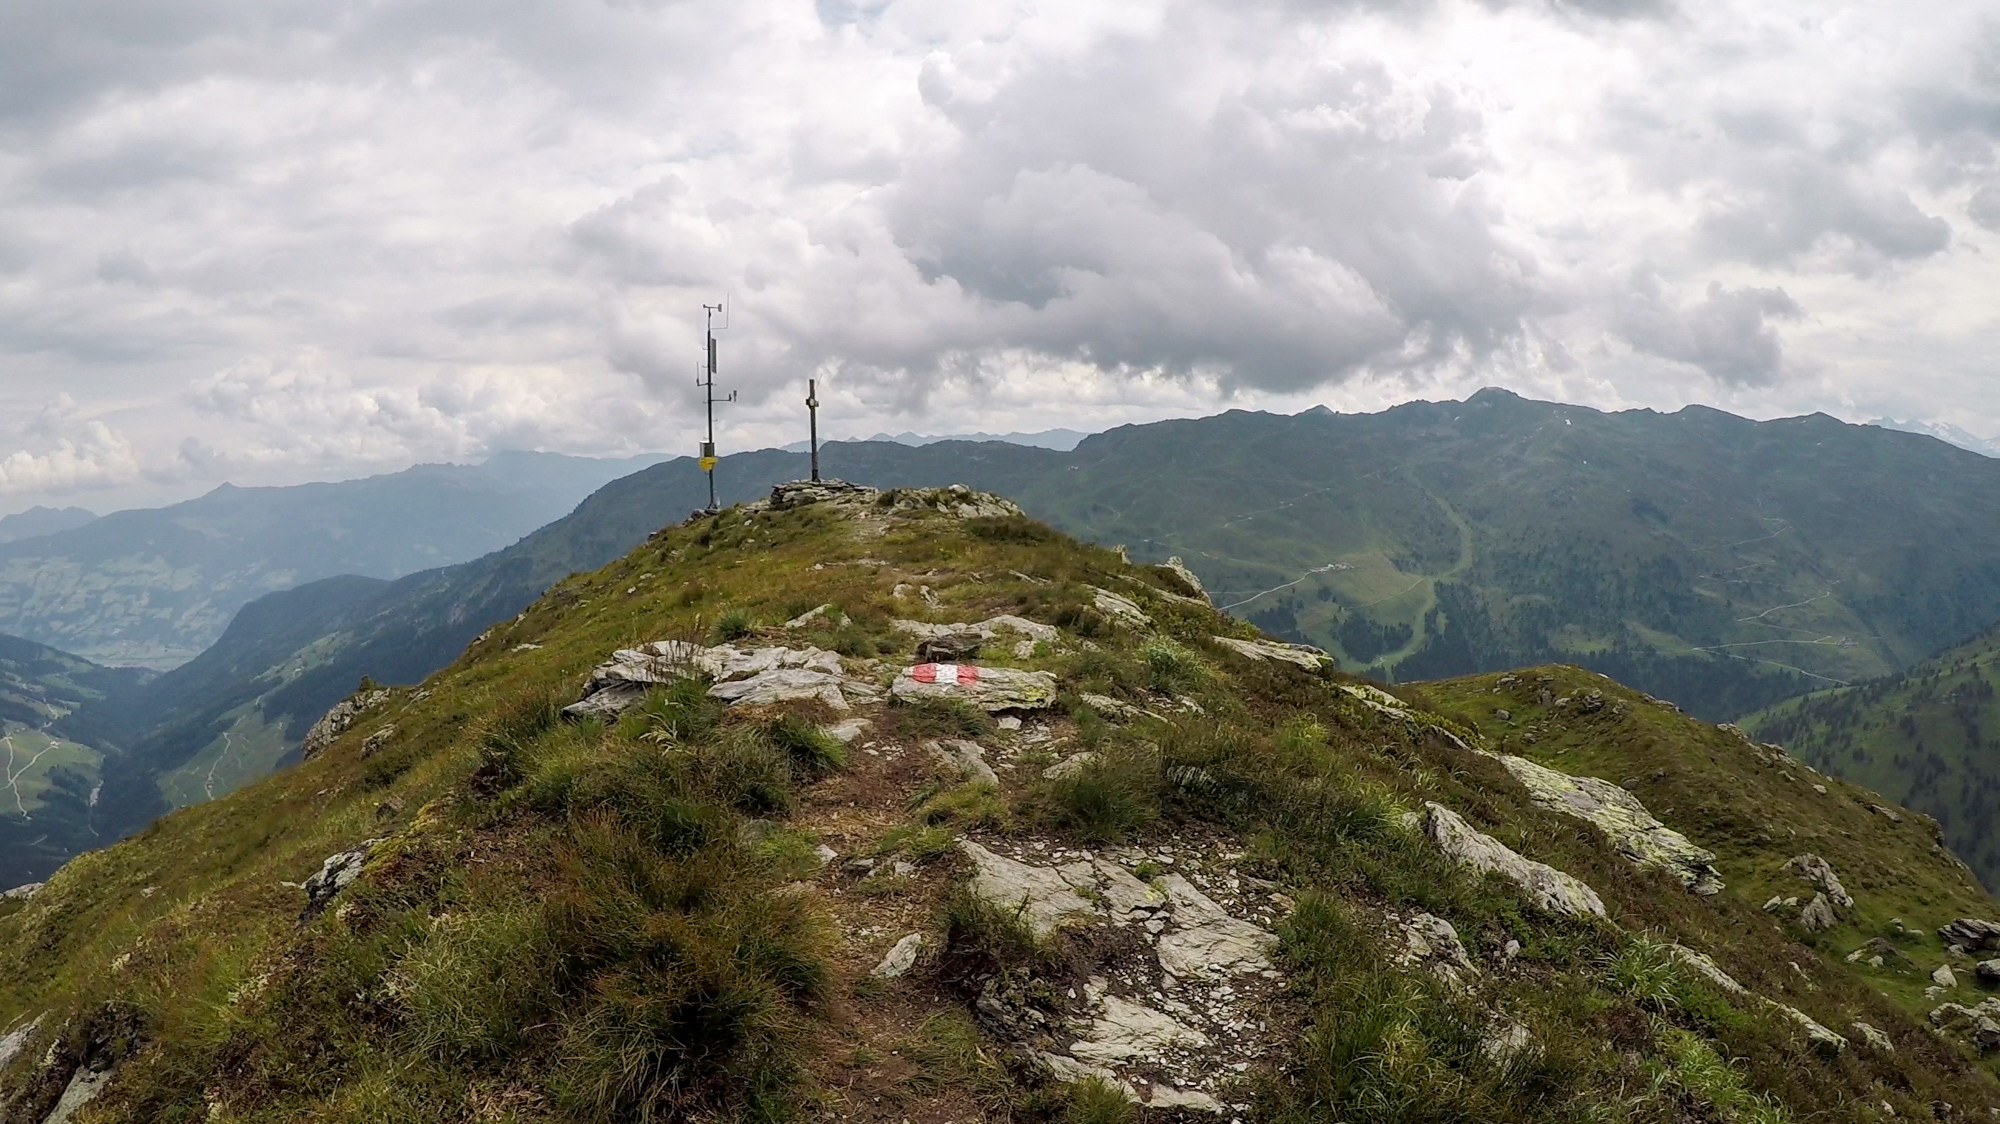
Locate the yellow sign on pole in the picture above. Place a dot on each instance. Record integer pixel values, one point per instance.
(707, 464)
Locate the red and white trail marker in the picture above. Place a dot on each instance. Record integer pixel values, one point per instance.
(945, 674)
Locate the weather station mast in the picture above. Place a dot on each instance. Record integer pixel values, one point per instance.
(706, 381)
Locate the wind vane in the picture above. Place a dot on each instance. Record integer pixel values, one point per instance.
(707, 460)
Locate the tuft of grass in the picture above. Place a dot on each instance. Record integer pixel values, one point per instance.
(734, 624)
(1094, 1100)
(1647, 973)
(990, 937)
(938, 718)
(1110, 799)
(679, 712)
(1172, 668)
(811, 749)
(456, 1006)
(1700, 1072)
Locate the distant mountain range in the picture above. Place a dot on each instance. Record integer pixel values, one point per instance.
(43, 521)
(1061, 440)
(1719, 562)
(154, 587)
(1946, 432)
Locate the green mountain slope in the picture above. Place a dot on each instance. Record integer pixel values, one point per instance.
(54, 754)
(1928, 737)
(154, 587)
(1174, 865)
(1717, 561)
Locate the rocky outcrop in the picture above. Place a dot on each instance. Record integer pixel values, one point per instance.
(1167, 1024)
(336, 721)
(1188, 585)
(1978, 1025)
(988, 688)
(900, 958)
(1304, 655)
(1431, 942)
(337, 873)
(1547, 888)
(988, 629)
(1040, 896)
(16, 1040)
(1119, 608)
(83, 1088)
(1705, 966)
(1818, 915)
(967, 758)
(743, 675)
(22, 892)
(1622, 818)
(1819, 872)
(1815, 1033)
(1872, 1037)
(1376, 699)
(1970, 934)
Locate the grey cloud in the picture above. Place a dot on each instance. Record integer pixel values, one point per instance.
(1729, 334)
(1984, 207)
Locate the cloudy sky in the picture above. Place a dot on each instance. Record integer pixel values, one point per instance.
(307, 239)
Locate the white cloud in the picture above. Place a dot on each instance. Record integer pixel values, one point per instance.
(75, 454)
(307, 239)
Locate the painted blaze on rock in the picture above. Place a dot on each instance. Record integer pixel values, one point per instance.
(989, 688)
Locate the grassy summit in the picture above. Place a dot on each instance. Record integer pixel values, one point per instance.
(1215, 874)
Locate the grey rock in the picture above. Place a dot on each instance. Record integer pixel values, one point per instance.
(1127, 1031)
(373, 743)
(1039, 896)
(988, 629)
(967, 757)
(1819, 872)
(1944, 977)
(1177, 572)
(1817, 1034)
(1704, 965)
(830, 613)
(988, 688)
(1640, 837)
(900, 958)
(334, 875)
(336, 721)
(1432, 942)
(1506, 1040)
(949, 648)
(1123, 893)
(1069, 766)
(1204, 942)
(1119, 608)
(1818, 916)
(1988, 971)
(1189, 1100)
(1109, 707)
(1376, 699)
(782, 684)
(1971, 934)
(1873, 1037)
(16, 1040)
(22, 892)
(83, 1088)
(847, 730)
(1304, 655)
(1547, 888)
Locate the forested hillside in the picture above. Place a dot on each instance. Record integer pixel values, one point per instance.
(1928, 738)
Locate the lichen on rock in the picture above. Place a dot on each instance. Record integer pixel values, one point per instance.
(1637, 834)
(1547, 888)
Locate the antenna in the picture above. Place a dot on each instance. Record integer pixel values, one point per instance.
(708, 447)
(812, 411)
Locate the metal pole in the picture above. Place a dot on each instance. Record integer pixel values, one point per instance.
(708, 446)
(812, 412)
